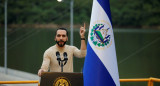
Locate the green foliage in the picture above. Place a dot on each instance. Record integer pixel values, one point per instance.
(133, 13)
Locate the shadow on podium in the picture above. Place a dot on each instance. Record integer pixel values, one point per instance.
(61, 79)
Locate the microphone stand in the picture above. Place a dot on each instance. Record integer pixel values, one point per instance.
(62, 63)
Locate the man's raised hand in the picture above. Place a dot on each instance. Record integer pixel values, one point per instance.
(82, 31)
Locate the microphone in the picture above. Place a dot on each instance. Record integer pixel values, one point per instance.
(58, 57)
(65, 57)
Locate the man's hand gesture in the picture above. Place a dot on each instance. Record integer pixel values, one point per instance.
(82, 31)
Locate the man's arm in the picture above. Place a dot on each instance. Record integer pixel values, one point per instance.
(45, 64)
(82, 35)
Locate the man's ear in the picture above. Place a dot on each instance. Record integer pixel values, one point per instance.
(54, 38)
(67, 38)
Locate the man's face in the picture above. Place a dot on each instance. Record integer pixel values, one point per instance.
(61, 38)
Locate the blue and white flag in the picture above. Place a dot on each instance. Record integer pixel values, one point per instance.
(100, 67)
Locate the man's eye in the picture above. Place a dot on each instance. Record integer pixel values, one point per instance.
(63, 35)
(58, 35)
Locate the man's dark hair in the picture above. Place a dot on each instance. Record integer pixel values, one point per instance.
(62, 29)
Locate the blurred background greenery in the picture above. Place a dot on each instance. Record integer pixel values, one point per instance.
(125, 13)
(32, 24)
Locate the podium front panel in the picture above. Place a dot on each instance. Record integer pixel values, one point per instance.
(61, 79)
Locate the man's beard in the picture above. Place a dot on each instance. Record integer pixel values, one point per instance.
(61, 45)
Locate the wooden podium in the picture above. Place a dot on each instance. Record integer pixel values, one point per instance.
(61, 79)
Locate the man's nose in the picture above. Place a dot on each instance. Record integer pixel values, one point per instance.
(61, 37)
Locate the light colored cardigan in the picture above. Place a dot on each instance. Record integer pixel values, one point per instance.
(50, 58)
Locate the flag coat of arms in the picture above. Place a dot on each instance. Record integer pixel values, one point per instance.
(100, 67)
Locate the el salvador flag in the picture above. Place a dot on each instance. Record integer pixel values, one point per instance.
(100, 67)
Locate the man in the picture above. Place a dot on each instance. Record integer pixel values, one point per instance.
(50, 58)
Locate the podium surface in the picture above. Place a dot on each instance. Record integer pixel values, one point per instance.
(61, 79)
